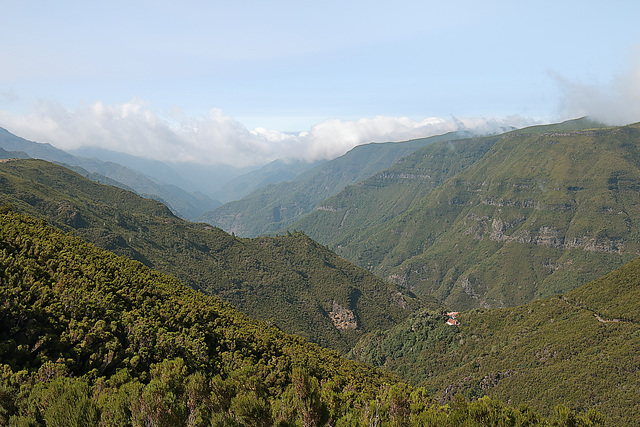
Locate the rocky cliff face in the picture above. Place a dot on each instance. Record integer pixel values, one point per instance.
(342, 318)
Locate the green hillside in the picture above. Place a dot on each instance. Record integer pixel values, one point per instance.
(345, 220)
(582, 348)
(539, 213)
(88, 338)
(290, 280)
(276, 206)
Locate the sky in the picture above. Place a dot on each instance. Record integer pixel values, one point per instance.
(245, 82)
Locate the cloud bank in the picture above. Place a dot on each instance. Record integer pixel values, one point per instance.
(614, 103)
(216, 138)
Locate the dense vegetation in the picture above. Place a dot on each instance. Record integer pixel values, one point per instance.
(537, 213)
(289, 280)
(274, 207)
(582, 348)
(89, 338)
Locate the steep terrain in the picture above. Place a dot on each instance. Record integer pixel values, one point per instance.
(538, 213)
(345, 220)
(88, 338)
(289, 280)
(276, 206)
(582, 348)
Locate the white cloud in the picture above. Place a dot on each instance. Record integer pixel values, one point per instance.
(135, 129)
(614, 103)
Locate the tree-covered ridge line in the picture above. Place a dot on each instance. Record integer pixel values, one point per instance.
(562, 348)
(289, 280)
(89, 338)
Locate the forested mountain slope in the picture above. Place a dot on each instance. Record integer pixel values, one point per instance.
(539, 213)
(582, 348)
(290, 280)
(276, 206)
(88, 338)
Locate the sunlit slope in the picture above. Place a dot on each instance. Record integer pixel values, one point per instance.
(539, 213)
(347, 220)
(581, 348)
(290, 280)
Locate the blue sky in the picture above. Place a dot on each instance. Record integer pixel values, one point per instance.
(249, 81)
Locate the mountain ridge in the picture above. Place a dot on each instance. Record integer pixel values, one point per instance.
(183, 202)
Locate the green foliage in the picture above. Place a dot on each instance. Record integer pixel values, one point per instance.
(580, 349)
(90, 338)
(290, 281)
(495, 221)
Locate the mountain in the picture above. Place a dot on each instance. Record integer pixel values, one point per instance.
(276, 206)
(345, 220)
(4, 154)
(214, 181)
(187, 204)
(272, 173)
(88, 338)
(580, 348)
(291, 281)
(539, 213)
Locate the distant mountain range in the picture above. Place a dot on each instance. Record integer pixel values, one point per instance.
(184, 203)
(274, 207)
(189, 189)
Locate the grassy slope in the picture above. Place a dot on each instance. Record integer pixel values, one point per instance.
(540, 213)
(289, 280)
(582, 348)
(347, 221)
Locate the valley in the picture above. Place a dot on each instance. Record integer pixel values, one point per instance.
(530, 237)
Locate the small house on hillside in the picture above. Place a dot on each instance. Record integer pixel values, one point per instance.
(452, 322)
(452, 318)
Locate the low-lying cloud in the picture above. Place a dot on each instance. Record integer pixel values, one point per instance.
(615, 103)
(134, 128)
